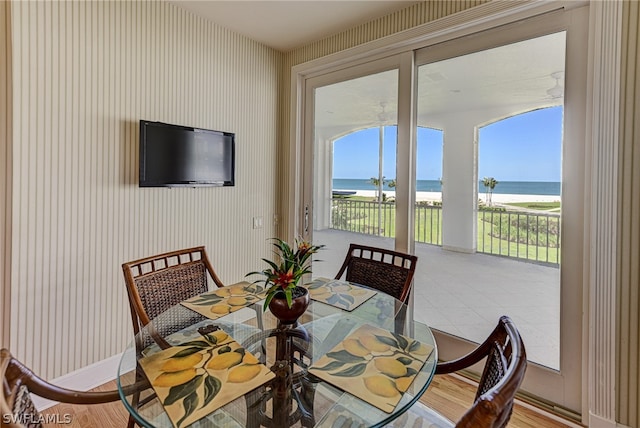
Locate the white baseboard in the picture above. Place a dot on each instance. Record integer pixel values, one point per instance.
(84, 379)
(596, 421)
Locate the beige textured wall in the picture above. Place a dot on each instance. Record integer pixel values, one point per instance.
(5, 170)
(84, 74)
(628, 307)
(404, 19)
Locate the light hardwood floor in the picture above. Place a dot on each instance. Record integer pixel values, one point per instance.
(449, 395)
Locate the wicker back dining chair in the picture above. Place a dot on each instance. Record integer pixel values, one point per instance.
(385, 270)
(156, 283)
(504, 370)
(18, 382)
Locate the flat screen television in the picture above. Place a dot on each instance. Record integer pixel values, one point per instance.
(182, 156)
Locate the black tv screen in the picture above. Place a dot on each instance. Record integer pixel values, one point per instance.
(173, 156)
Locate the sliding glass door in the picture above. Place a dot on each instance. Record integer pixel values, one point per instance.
(353, 136)
(430, 151)
(504, 111)
(496, 132)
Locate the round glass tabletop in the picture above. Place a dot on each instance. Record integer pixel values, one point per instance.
(341, 364)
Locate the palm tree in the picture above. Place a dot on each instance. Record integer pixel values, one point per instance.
(489, 183)
(379, 183)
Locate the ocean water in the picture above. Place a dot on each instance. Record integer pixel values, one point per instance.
(503, 187)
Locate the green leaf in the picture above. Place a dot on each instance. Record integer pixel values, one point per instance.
(415, 345)
(198, 343)
(253, 288)
(288, 293)
(405, 360)
(401, 340)
(207, 300)
(349, 298)
(270, 263)
(211, 338)
(331, 366)
(186, 352)
(333, 299)
(224, 349)
(352, 371)
(387, 340)
(190, 404)
(267, 301)
(179, 391)
(212, 386)
(411, 371)
(342, 302)
(344, 356)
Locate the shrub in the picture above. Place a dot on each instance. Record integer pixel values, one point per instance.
(524, 229)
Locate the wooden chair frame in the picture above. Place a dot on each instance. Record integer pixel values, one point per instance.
(174, 276)
(162, 265)
(502, 375)
(385, 270)
(16, 375)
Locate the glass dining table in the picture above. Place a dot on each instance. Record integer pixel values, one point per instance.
(353, 359)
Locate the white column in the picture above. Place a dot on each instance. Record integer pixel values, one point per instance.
(323, 186)
(605, 57)
(459, 186)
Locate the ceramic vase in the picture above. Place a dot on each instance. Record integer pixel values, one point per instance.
(289, 315)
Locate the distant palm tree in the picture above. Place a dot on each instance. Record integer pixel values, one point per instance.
(379, 183)
(489, 183)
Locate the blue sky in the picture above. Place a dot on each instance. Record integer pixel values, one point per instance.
(526, 147)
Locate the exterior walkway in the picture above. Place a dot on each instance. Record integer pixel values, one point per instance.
(465, 294)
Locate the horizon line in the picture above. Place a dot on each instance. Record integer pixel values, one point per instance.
(438, 179)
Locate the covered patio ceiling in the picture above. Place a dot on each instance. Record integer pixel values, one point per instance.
(491, 84)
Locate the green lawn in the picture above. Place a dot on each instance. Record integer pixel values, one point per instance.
(363, 218)
(541, 206)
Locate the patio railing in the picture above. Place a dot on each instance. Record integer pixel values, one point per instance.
(524, 235)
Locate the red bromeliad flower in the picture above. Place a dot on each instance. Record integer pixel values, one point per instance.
(284, 279)
(284, 274)
(303, 247)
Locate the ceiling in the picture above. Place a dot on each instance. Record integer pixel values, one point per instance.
(286, 25)
(484, 87)
(489, 85)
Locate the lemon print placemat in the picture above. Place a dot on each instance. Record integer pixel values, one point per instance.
(374, 365)
(197, 377)
(224, 300)
(337, 293)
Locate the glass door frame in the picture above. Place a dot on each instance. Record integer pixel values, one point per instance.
(571, 397)
(406, 145)
(563, 387)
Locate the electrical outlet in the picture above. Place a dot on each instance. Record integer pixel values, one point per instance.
(257, 222)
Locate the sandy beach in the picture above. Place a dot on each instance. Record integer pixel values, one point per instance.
(497, 198)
